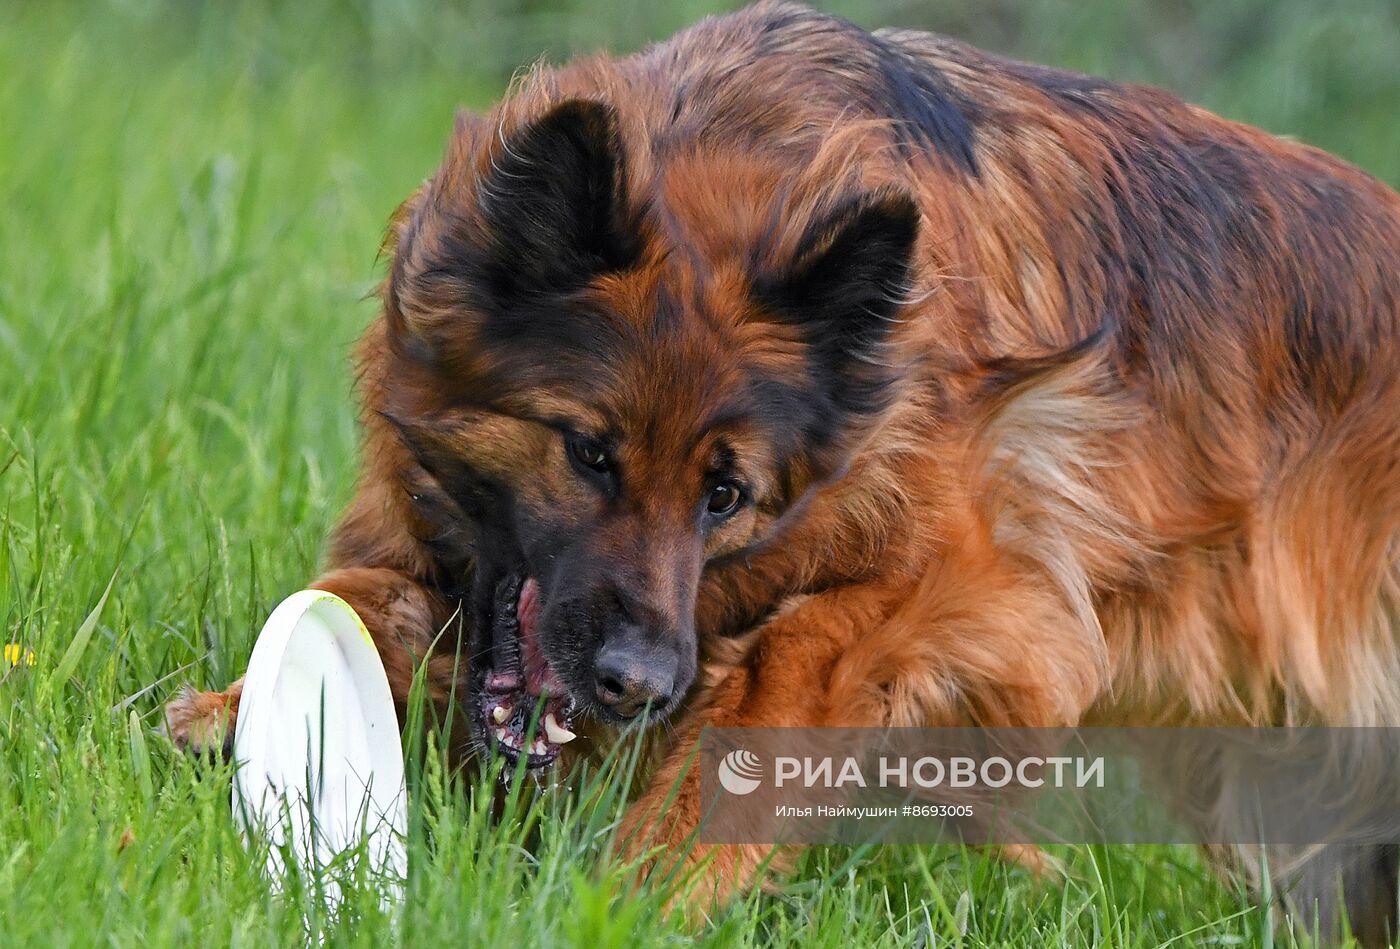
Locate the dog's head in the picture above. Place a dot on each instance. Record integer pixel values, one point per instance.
(607, 401)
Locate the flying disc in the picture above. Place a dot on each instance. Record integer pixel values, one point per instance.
(320, 768)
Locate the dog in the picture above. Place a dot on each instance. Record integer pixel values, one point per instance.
(788, 374)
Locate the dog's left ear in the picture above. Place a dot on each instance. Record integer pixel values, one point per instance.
(843, 291)
(553, 203)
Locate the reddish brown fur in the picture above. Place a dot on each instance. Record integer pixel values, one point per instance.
(1144, 466)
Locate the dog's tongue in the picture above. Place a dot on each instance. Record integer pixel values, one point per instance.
(539, 678)
(527, 608)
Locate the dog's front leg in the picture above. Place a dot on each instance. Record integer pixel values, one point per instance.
(404, 618)
(784, 680)
(980, 639)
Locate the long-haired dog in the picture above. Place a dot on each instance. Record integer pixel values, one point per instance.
(789, 374)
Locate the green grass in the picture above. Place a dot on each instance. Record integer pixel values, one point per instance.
(190, 204)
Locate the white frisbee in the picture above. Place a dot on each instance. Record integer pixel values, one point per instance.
(320, 767)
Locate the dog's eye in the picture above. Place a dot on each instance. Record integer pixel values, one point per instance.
(589, 453)
(724, 499)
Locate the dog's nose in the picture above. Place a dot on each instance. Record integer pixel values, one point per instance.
(628, 676)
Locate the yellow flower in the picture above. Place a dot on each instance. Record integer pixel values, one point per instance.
(15, 653)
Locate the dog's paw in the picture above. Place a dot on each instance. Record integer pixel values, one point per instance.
(202, 722)
(1044, 868)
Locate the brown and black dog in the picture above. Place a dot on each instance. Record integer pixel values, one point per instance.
(789, 374)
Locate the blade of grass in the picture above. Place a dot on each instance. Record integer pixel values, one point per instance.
(140, 757)
(74, 653)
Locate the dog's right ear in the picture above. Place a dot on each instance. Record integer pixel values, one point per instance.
(552, 204)
(548, 214)
(397, 244)
(442, 447)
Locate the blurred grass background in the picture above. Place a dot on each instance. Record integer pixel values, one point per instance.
(191, 200)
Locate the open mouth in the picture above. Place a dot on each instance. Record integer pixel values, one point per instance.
(519, 684)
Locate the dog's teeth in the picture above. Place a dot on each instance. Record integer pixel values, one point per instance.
(502, 735)
(538, 748)
(500, 713)
(555, 732)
